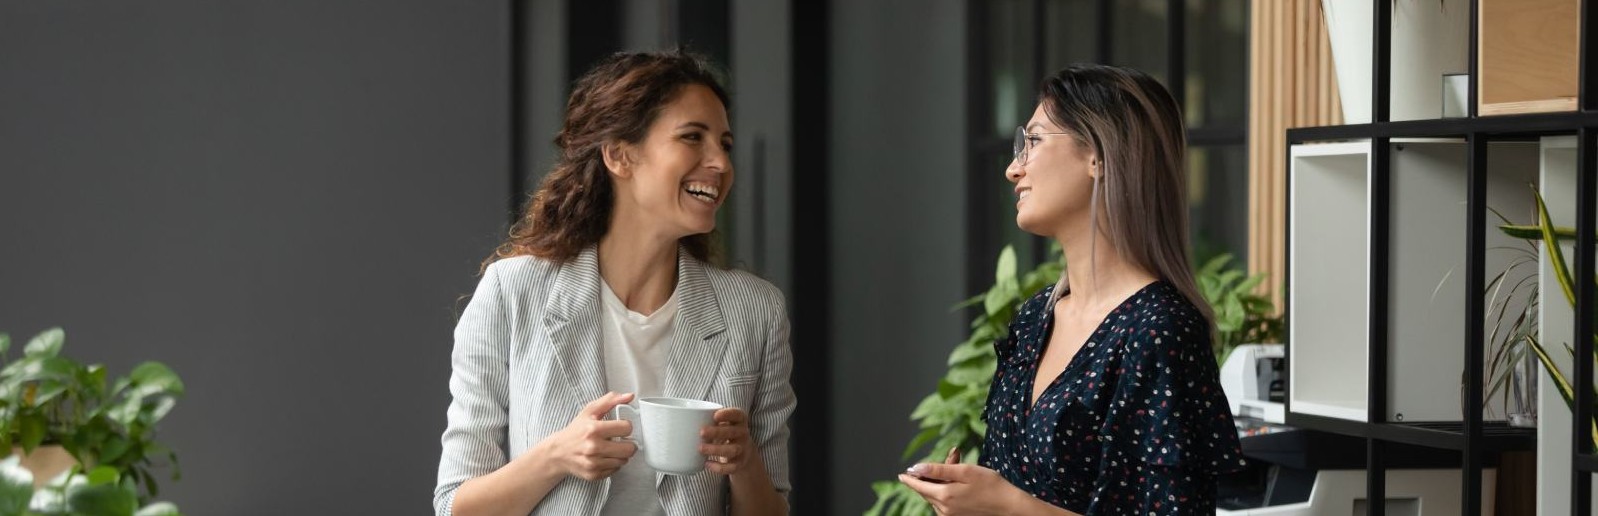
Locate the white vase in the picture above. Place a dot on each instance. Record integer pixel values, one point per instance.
(1430, 39)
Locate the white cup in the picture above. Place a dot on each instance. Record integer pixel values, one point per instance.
(666, 431)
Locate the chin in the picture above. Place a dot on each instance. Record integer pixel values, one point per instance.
(1029, 225)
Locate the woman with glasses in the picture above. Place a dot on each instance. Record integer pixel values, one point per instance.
(1106, 399)
(605, 293)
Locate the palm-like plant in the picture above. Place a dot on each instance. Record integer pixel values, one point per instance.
(1550, 236)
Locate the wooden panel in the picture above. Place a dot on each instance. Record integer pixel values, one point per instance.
(1528, 55)
(1529, 106)
(1291, 84)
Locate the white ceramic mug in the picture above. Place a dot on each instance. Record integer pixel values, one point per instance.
(667, 432)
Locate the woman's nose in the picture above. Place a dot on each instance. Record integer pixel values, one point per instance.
(1013, 172)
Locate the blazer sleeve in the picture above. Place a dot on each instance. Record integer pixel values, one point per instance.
(474, 442)
(774, 401)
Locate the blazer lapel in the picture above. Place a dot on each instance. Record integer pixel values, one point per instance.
(698, 340)
(572, 320)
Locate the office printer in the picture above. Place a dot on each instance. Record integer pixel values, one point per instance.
(1303, 472)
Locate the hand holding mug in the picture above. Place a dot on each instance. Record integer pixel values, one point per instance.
(726, 444)
(585, 448)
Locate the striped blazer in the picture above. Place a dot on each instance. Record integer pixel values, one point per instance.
(527, 357)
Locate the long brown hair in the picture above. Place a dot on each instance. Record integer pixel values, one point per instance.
(616, 101)
(1135, 127)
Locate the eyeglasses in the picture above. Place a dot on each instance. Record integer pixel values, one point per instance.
(1023, 143)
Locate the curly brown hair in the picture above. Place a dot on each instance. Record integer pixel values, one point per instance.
(616, 101)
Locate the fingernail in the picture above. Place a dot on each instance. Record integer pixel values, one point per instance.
(917, 470)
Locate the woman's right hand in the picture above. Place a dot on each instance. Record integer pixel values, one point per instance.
(585, 449)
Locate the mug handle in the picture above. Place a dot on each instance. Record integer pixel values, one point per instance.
(628, 413)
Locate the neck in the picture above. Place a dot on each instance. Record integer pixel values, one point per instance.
(639, 265)
(1097, 273)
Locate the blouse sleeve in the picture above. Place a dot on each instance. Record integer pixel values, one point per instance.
(1168, 432)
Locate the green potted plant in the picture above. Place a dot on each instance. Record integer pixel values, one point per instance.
(107, 427)
(951, 417)
(100, 492)
(1242, 314)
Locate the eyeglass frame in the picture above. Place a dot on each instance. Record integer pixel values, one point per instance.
(1020, 153)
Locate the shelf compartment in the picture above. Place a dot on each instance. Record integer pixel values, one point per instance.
(1527, 52)
(1329, 256)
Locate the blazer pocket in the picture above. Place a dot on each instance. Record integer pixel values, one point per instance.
(740, 389)
(741, 379)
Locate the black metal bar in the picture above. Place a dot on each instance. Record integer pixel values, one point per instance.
(812, 293)
(1475, 267)
(1586, 464)
(1381, 63)
(1537, 124)
(980, 234)
(1375, 477)
(518, 108)
(1474, 60)
(1587, 95)
(1040, 69)
(1039, 19)
(1287, 275)
(1377, 359)
(1581, 435)
(1497, 436)
(1328, 424)
(1217, 135)
(1175, 50)
(1104, 43)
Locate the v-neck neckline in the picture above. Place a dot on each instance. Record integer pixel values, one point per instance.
(1047, 335)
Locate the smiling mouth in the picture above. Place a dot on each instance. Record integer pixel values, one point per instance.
(704, 192)
(1024, 193)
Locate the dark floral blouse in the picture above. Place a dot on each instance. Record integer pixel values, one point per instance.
(1135, 424)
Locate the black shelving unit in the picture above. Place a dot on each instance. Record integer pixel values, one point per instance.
(1474, 438)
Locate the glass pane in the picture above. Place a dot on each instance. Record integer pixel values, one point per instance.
(1218, 201)
(1069, 35)
(1010, 64)
(1140, 36)
(1217, 63)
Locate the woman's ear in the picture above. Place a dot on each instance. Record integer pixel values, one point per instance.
(618, 158)
(1095, 166)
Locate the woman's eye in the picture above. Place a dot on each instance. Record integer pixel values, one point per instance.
(693, 137)
(1034, 139)
(726, 146)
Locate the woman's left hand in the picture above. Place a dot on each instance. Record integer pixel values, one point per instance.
(961, 489)
(726, 444)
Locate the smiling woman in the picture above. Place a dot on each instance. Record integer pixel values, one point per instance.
(602, 295)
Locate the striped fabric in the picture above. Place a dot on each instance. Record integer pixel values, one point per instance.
(527, 357)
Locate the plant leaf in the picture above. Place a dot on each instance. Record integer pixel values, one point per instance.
(920, 440)
(155, 377)
(46, 344)
(108, 499)
(30, 430)
(1006, 269)
(102, 475)
(159, 509)
(16, 486)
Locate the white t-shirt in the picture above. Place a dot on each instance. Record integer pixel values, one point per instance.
(635, 353)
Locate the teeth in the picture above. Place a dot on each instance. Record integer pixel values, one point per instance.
(1023, 194)
(704, 190)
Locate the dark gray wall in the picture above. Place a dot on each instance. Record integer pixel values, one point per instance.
(282, 200)
(897, 226)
